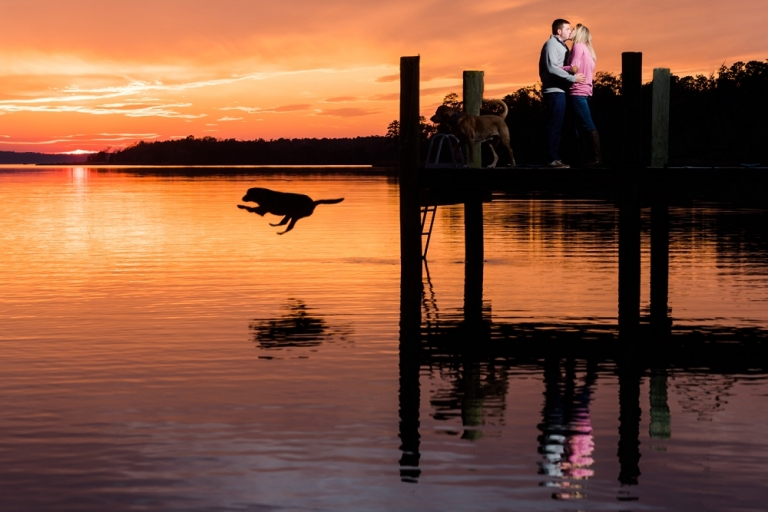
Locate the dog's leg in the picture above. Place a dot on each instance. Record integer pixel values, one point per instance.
(495, 156)
(508, 146)
(511, 158)
(282, 222)
(259, 210)
(290, 226)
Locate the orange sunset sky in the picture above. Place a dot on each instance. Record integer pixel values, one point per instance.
(91, 74)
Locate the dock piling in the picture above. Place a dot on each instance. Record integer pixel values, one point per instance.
(410, 270)
(473, 100)
(631, 110)
(660, 322)
(410, 212)
(660, 118)
(474, 255)
(629, 196)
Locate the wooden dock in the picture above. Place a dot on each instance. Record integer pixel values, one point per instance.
(680, 185)
(634, 344)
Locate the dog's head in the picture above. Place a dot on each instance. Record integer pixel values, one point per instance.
(444, 114)
(254, 194)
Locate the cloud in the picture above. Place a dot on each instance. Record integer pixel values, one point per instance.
(385, 97)
(77, 152)
(388, 78)
(230, 119)
(282, 109)
(347, 112)
(341, 99)
(289, 108)
(151, 111)
(149, 135)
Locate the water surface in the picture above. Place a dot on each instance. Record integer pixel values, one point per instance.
(164, 350)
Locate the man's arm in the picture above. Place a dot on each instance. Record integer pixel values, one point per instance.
(553, 67)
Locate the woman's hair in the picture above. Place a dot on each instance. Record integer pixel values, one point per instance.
(581, 35)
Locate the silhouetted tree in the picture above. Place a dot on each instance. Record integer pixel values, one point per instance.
(452, 100)
(393, 130)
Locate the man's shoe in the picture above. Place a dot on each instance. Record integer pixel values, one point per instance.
(557, 164)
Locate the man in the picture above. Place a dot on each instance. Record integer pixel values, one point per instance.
(555, 81)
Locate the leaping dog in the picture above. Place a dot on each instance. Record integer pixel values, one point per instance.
(292, 206)
(472, 130)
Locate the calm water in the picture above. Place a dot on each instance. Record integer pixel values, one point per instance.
(164, 350)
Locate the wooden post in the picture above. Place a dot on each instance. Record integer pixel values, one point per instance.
(660, 118)
(473, 100)
(660, 322)
(410, 269)
(629, 201)
(629, 267)
(631, 109)
(474, 255)
(410, 220)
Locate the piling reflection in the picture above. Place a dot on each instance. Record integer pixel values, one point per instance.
(660, 425)
(409, 394)
(299, 327)
(292, 207)
(476, 394)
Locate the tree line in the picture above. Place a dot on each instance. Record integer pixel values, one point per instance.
(714, 120)
(211, 151)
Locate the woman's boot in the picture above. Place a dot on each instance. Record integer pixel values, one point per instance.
(597, 157)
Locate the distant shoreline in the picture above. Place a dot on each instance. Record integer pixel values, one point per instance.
(199, 170)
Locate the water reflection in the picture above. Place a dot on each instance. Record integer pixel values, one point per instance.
(476, 395)
(472, 353)
(475, 359)
(292, 207)
(660, 426)
(566, 442)
(299, 327)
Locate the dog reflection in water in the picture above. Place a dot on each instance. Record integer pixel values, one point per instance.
(292, 206)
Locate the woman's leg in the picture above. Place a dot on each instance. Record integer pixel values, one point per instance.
(584, 119)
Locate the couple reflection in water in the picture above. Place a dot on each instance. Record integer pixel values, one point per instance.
(566, 442)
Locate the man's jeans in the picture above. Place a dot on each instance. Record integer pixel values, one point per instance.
(554, 105)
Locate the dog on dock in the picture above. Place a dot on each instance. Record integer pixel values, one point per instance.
(292, 206)
(471, 130)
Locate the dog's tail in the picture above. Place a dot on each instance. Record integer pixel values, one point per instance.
(503, 105)
(329, 201)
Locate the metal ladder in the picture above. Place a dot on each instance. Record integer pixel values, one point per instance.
(426, 211)
(453, 148)
(433, 162)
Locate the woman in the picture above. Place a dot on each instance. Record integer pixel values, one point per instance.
(582, 59)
